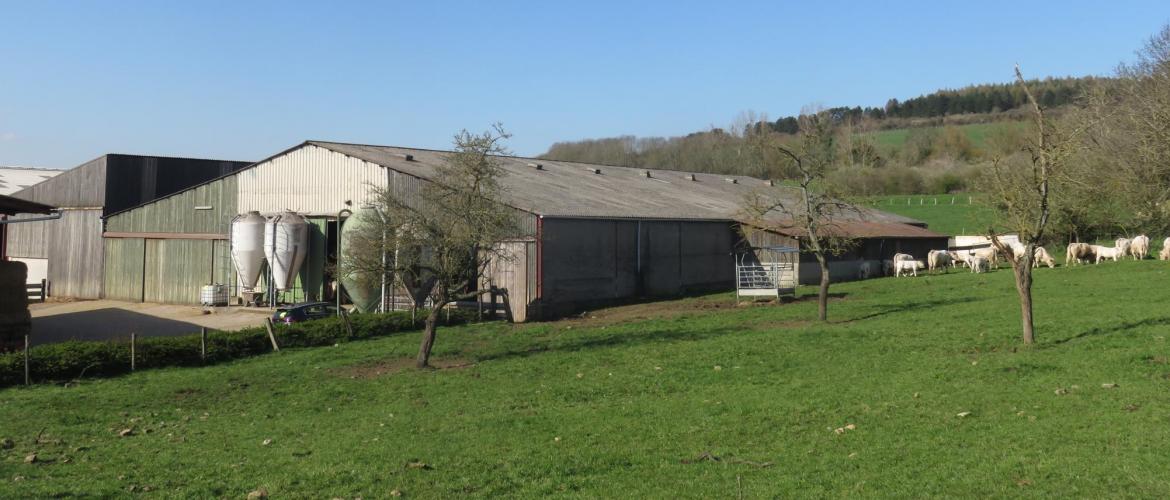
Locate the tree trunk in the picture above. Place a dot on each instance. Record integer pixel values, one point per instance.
(823, 294)
(428, 338)
(1023, 273)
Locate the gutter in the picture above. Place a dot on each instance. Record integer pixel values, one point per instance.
(54, 216)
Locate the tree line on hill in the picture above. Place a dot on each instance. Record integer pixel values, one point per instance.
(925, 144)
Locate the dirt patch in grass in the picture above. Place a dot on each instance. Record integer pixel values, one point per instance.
(391, 366)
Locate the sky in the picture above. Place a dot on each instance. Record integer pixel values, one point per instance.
(243, 80)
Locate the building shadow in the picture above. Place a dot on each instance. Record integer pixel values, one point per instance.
(104, 324)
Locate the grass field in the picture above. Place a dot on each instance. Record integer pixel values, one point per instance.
(962, 217)
(925, 377)
(977, 133)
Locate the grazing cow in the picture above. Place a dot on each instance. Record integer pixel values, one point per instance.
(1040, 255)
(1139, 248)
(990, 254)
(1123, 245)
(1079, 253)
(906, 266)
(978, 264)
(1103, 253)
(938, 258)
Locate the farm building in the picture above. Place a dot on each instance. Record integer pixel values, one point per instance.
(69, 251)
(591, 233)
(13, 179)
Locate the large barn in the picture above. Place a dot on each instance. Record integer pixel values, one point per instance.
(593, 234)
(69, 251)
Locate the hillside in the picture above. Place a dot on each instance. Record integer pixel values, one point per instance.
(918, 387)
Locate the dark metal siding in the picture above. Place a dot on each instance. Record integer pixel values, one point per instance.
(134, 180)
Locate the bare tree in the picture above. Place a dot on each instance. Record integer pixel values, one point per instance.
(815, 214)
(1022, 193)
(443, 237)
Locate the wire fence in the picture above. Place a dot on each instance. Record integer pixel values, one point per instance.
(923, 200)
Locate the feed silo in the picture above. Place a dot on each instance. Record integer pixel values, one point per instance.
(286, 243)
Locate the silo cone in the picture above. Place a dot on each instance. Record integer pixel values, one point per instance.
(365, 296)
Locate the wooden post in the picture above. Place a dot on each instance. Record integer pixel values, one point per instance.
(27, 379)
(203, 343)
(348, 326)
(44, 288)
(271, 334)
(133, 337)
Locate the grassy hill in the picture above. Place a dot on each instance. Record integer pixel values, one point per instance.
(925, 378)
(946, 214)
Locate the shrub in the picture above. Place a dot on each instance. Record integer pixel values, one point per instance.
(76, 359)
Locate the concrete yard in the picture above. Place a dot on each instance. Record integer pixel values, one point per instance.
(111, 319)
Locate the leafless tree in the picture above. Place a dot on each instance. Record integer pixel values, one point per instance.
(1021, 190)
(815, 215)
(445, 236)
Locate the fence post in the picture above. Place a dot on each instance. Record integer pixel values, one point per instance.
(968, 200)
(44, 288)
(271, 334)
(203, 344)
(952, 200)
(133, 337)
(27, 379)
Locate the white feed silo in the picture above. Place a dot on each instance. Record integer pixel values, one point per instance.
(248, 248)
(286, 243)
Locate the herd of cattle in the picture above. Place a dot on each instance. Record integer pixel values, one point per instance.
(982, 259)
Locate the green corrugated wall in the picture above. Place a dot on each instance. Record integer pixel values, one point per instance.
(174, 270)
(177, 213)
(123, 268)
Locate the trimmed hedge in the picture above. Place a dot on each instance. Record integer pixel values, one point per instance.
(76, 359)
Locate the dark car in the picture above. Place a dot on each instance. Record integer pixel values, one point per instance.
(306, 311)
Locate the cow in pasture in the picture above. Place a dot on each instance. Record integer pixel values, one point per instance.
(1040, 255)
(1165, 253)
(1103, 253)
(1079, 253)
(1123, 244)
(938, 259)
(902, 267)
(1139, 248)
(978, 264)
(990, 254)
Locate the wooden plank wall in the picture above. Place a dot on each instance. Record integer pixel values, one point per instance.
(76, 254)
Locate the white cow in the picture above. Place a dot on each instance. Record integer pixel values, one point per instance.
(978, 264)
(906, 266)
(1123, 245)
(1165, 253)
(938, 258)
(1079, 253)
(990, 254)
(1103, 253)
(1040, 255)
(1139, 248)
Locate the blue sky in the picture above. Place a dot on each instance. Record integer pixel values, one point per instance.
(246, 79)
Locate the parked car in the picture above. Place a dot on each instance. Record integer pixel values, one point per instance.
(305, 311)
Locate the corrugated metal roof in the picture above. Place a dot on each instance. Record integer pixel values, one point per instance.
(569, 189)
(13, 179)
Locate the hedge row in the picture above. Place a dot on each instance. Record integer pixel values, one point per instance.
(77, 359)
